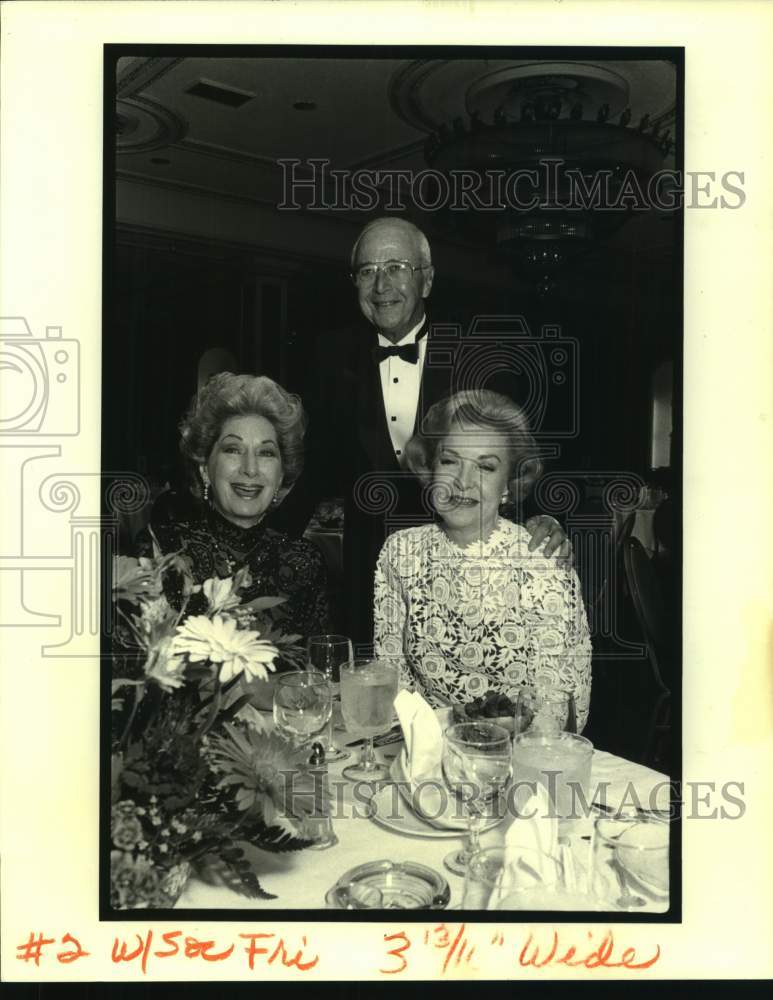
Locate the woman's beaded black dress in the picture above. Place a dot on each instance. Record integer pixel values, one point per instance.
(280, 566)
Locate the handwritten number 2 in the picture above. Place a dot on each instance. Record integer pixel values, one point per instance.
(397, 952)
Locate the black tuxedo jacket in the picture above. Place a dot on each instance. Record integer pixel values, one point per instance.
(349, 453)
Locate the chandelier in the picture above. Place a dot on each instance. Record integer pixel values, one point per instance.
(555, 157)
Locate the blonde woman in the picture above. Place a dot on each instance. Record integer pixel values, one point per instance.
(462, 604)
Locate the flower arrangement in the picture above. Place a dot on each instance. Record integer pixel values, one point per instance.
(193, 784)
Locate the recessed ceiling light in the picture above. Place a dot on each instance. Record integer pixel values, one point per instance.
(305, 105)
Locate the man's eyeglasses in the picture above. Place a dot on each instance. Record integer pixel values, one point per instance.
(395, 270)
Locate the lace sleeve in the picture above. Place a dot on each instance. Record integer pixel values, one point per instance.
(564, 647)
(389, 616)
(578, 651)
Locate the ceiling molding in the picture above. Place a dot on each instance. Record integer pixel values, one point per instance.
(149, 126)
(415, 99)
(225, 153)
(230, 163)
(228, 154)
(187, 187)
(140, 74)
(403, 91)
(208, 248)
(384, 158)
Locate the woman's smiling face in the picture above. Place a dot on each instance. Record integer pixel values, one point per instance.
(244, 469)
(469, 475)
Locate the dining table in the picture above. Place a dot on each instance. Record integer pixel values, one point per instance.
(303, 879)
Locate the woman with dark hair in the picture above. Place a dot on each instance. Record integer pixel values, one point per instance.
(242, 440)
(462, 604)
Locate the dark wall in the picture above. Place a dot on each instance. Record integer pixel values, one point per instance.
(168, 309)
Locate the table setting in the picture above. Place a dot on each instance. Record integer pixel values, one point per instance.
(454, 808)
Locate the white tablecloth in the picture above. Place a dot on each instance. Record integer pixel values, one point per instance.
(300, 880)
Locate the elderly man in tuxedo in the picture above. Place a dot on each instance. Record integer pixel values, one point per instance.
(375, 384)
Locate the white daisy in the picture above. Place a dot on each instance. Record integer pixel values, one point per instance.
(219, 640)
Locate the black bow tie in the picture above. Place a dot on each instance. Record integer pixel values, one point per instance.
(408, 352)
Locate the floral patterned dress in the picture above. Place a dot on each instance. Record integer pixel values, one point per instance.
(489, 617)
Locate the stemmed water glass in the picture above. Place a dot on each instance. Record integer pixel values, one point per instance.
(303, 702)
(302, 705)
(368, 691)
(328, 653)
(477, 765)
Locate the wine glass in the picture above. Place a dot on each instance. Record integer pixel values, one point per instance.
(302, 705)
(477, 765)
(368, 691)
(327, 653)
(545, 709)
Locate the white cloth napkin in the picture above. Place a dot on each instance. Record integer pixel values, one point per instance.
(423, 737)
(534, 828)
(529, 841)
(421, 762)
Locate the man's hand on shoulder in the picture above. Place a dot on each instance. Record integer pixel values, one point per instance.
(546, 530)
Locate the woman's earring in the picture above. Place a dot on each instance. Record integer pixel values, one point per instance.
(206, 491)
(505, 498)
(275, 499)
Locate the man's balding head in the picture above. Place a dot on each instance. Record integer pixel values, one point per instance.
(393, 224)
(393, 305)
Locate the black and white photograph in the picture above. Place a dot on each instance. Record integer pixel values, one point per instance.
(385, 422)
(392, 354)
